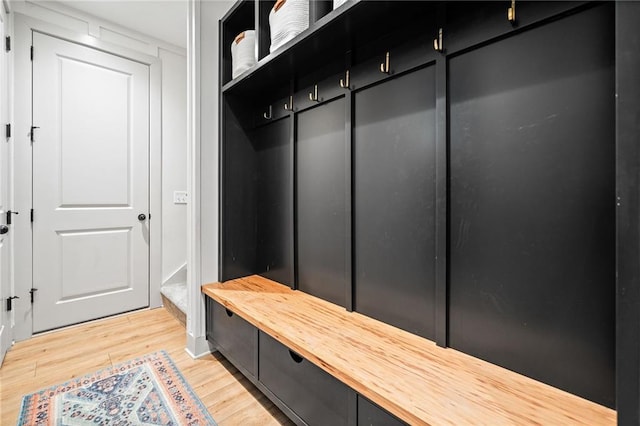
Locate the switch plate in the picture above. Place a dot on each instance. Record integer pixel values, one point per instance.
(179, 197)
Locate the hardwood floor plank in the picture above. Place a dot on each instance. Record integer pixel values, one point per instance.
(55, 357)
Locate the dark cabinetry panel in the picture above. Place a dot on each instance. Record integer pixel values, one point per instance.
(275, 201)
(394, 201)
(321, 204)
(628, 212)
(370, 414)
(234, 336)
(257, 198)
(532, 225)
(238, 197)
(317, 397)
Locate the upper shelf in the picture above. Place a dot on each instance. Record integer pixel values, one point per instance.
(329, 39)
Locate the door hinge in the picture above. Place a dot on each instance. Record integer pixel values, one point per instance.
(31, 215)
(7, 44)
(9, 213)
(32, 133)
(7, 131)
(31, 53)
(31, 292)
(10, 302)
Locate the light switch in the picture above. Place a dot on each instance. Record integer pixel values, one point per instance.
(179, 197)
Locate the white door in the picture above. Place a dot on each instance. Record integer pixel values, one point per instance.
(90, 183)
(5, 234)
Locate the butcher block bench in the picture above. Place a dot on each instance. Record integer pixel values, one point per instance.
(351, 369)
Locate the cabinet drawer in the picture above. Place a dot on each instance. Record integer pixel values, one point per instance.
(314, 395)
(370, 414)
(235, 337)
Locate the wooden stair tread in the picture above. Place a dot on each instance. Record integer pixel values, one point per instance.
(407, 375)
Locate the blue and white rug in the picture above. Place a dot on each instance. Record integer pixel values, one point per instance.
(144, 391)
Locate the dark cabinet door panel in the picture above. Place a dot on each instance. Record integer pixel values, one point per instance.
(314, 395)
(394, 201)
(235, 337)
(321, 204)
(370, 414)
(532, 220)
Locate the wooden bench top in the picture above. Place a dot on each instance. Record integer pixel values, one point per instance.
(407, 375)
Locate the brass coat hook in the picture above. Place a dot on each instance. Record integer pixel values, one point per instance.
(384, 67)
(289, 106)
(437, 42)
(511, 12)
(313, 96)
(269, 115)
(344, 83)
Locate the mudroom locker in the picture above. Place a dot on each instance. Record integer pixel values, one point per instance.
(448, 168)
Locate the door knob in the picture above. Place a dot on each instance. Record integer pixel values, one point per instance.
(4, 229)
(142, 217)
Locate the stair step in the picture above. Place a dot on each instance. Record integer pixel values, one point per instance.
(174, 298)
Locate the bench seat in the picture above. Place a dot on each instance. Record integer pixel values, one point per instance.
(407, 375)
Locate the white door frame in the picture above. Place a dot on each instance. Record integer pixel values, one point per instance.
(22, 179)
(5, 17)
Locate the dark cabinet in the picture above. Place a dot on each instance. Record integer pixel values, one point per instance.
(463, 193)
(315, 396)
(234, 337)
(369, 414)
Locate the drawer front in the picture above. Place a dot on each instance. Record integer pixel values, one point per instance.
(315, 396)
(236, 338)
(370, 414)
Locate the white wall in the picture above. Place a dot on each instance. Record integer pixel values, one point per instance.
(171, 170)
(174, 165)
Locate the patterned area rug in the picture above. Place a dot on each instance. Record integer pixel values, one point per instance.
(144, 391)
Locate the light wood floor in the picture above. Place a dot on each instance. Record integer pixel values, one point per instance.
(59, 356)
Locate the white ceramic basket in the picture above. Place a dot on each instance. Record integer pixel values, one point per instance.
(243, 52)
(290, 19)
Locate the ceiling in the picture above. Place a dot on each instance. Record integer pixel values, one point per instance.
(162, 19)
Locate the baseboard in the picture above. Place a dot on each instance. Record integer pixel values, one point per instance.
(197, 347)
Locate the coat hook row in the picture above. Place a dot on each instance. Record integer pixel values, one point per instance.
(289, 106)
(268, 115)
(313, 96)
(384, 67)
(344, 82)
